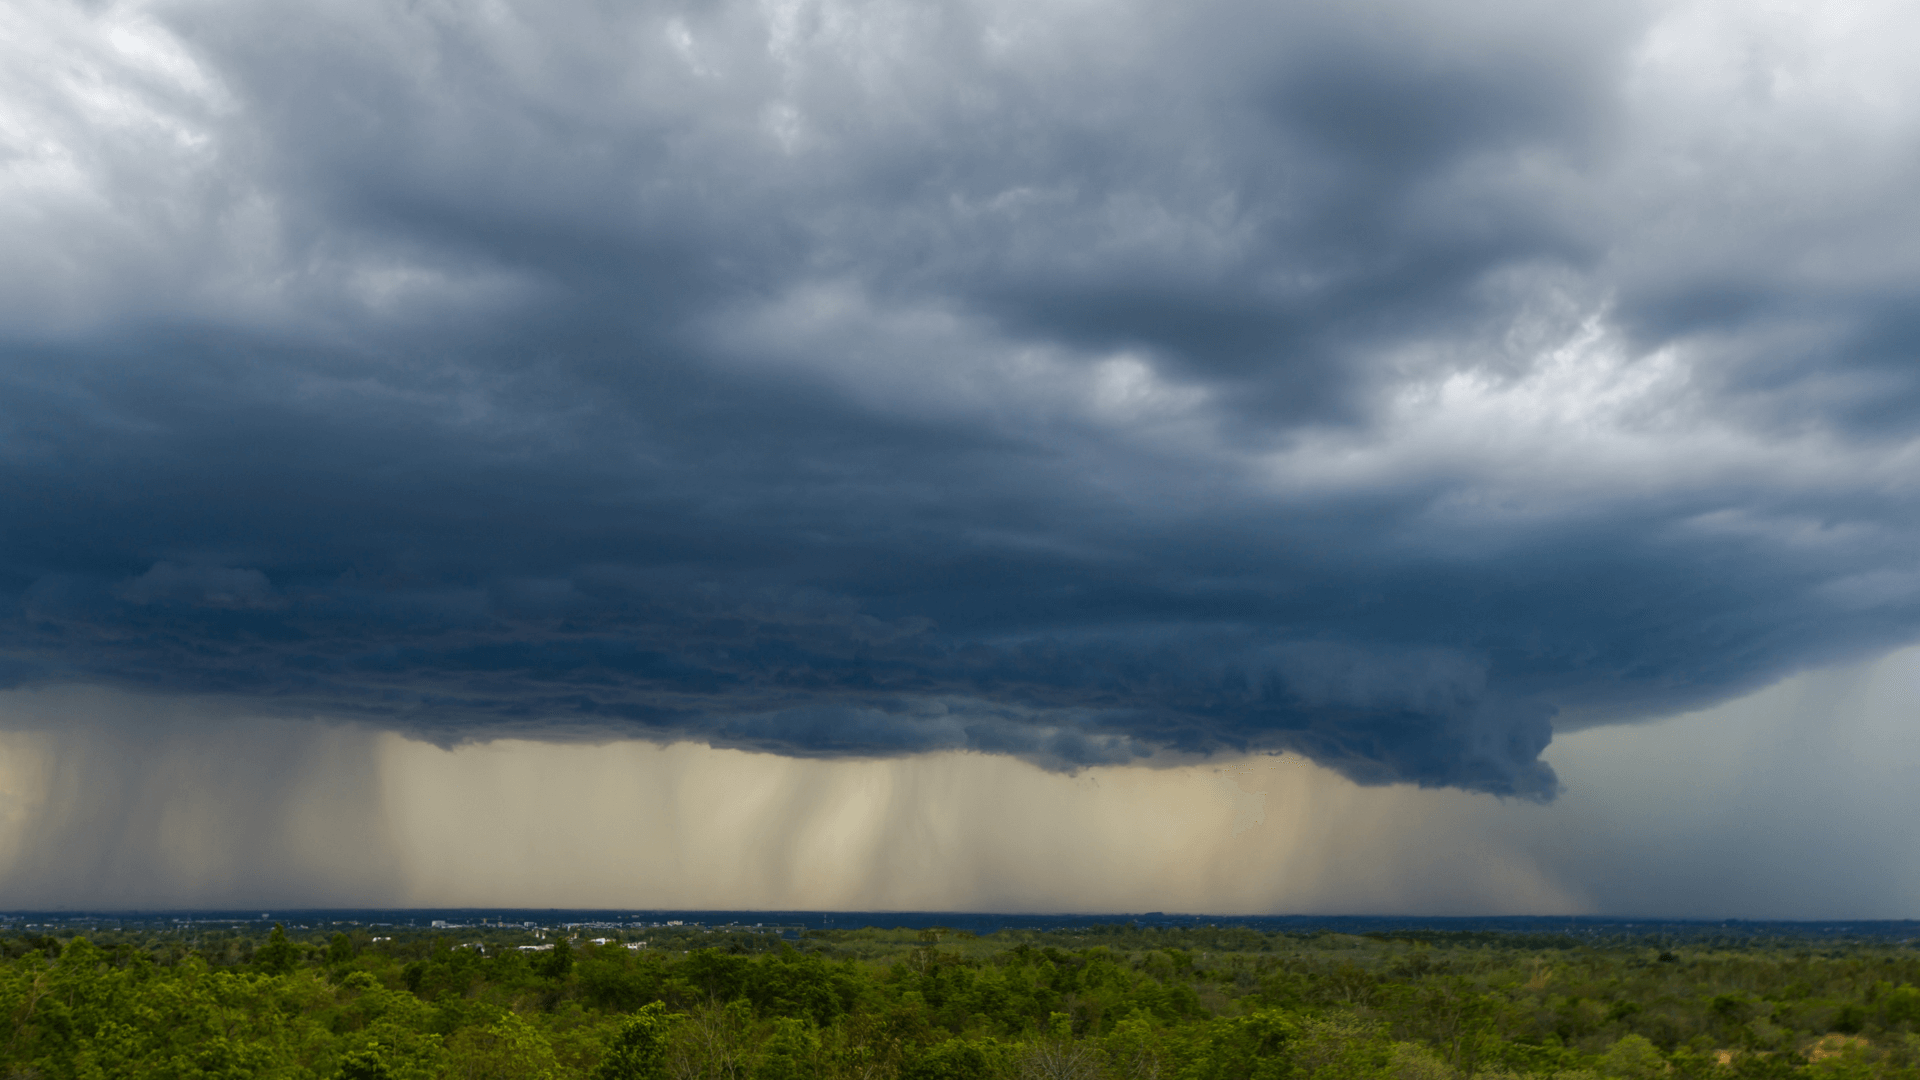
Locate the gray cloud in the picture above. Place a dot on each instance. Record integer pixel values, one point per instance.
(1385, 382)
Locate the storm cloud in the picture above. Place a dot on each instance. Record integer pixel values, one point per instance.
(1388, 383)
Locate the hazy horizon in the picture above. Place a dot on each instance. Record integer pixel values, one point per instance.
(332, 814)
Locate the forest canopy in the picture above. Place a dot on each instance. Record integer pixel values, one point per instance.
(1103, 1003)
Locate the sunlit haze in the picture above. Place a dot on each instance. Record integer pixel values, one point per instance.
(1747, 810)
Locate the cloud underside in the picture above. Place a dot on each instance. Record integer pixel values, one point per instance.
(1385, 384)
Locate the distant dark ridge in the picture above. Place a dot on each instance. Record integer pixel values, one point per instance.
(1549, 930)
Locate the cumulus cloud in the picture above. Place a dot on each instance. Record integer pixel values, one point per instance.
(1387, 383)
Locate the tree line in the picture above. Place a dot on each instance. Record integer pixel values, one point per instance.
(1120, 1003)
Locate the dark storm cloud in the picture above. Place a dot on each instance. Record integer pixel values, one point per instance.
(1379, 382)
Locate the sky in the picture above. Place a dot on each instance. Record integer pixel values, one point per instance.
(1219, 456)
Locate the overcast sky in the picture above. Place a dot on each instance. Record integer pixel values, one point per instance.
(1389, 383)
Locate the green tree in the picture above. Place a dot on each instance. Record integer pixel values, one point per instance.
(1057, 1057)
(1901, 1007)
(957, 1059)
(1133, 1051)
(1633, 1058)
(340, 949)
(278, 955)
(791, 1053)
(1258, 1046)
(508, 1049)
(713, 1043)
(364, 1065)
(639, 1048)
(556, 964)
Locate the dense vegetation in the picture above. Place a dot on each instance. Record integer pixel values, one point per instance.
(1106, 1003)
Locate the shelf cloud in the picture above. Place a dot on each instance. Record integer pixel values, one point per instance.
(1388, 383)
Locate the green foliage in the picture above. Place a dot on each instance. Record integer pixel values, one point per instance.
(277, 956)
(791, 1052)
(638, 1050)
(510, 1048)
(558, 963)
(1632, 1058)
(957, 1059)
(1901, 1007)
(364, 1065)
(1107, 1004)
